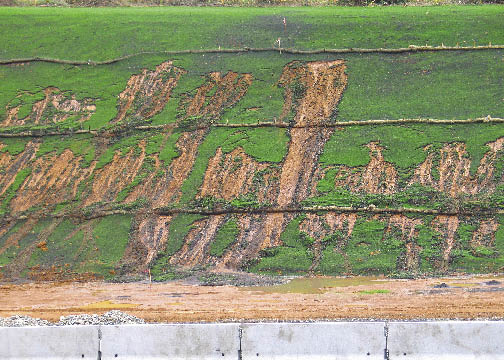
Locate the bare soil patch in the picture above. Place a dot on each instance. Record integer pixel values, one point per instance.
(461, 297)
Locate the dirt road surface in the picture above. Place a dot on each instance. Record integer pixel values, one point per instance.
(462, 297)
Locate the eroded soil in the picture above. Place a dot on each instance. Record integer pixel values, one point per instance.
(56, 106)
(463, 297)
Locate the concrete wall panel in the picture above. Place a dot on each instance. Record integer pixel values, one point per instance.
(457, 340)
(286, 341)
(44, 342)
(174, 341)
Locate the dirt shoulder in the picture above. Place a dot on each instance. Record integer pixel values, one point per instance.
(462, 297)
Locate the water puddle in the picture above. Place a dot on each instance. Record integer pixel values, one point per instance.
(313, 285)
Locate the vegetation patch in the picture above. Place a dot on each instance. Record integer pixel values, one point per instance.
(225, 236)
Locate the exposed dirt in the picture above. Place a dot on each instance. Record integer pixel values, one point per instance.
(230, 175)
(312, 90)
(152, 233)
(451, 162)
(11, 165)
(197, 242)
(408, 229)
(377, 177)
(147, 93)
(166, 190)
(453, 165)
(115, 176)
(54, 179)
(57, 106)
(464, 298)
(216, 94)
(485, 235)
(446, 225)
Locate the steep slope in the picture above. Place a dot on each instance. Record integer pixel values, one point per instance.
(248, 162)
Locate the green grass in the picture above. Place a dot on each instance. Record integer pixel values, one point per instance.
(80, 146)
(372, 251)
(75, 30)
(111, 235)
(13, 146)
(9, 253)
(293, 257)
(229, 138)
(60, 250)
(11, 191)
(440, 85)
(372, 292)
(225, 236)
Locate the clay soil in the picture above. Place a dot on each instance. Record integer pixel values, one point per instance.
(462, 297)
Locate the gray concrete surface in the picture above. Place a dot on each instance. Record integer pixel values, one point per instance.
(459, 340)
(49, 342)
(339, 340)
(175, 341)
(443, 340)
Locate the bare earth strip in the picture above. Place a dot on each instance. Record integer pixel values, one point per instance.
(466, 297)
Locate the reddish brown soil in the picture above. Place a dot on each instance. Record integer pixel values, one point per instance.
(465, 298)
(54, 108)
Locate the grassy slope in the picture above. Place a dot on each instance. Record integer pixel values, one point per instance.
(438, 85)
(90, 33)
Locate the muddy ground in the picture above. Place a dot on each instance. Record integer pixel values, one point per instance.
(461, 297)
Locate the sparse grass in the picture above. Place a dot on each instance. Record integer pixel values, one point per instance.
(372, 292)
(180, 226)
(11, 191)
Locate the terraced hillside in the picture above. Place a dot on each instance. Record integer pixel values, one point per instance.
(264, 160)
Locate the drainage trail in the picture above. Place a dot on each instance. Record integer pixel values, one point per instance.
(240, 335)
(99, 343)
(386, 353)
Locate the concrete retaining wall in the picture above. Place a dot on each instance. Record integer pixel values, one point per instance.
(343, 340)
(188, 341)
(275, 341)
(446, 340)
(49, 342)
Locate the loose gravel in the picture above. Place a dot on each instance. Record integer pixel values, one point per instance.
(20, 320)
(113, 317)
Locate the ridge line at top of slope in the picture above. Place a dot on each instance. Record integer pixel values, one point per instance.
(410, 48)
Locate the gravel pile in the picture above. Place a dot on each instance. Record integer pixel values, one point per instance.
(114, 317)
(20, 320)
